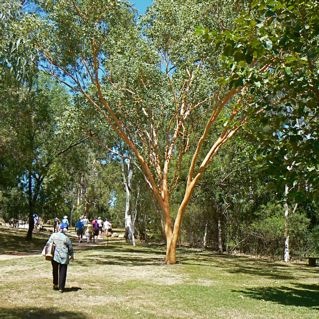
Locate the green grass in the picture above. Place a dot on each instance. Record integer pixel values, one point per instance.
(119, 281)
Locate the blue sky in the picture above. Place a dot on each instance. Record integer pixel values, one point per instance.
(141, 5)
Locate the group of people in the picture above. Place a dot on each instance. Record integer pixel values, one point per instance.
(57, 222)
(63, 252)
(92, 229)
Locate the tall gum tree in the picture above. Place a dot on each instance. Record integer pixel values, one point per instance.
(166, 94)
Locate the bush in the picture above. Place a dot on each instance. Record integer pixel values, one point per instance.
(268, 233)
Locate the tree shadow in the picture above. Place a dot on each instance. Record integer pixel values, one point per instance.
(301, 295)
(13, 242)
(123, 255)
(240, 265)
(267, 270)
(109, 259)
(36, 313)
(121, 247)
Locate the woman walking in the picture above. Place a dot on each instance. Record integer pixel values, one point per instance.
(62, 254)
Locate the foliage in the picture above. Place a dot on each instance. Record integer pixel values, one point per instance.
(283, 35)
(268, 230)
(13, 205)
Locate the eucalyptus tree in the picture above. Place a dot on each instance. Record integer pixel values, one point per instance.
(163, 93)
(35, 124)
(169, 95)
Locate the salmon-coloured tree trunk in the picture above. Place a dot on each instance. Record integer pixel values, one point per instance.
(153, 145)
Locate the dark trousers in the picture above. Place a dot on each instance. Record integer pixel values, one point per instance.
(59, 274)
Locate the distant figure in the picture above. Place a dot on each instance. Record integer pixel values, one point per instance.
(100, 222)
(13, 222)
(84, 220)
(65, 221)
(96, 229)
(79, 228)
(107, 226)
(89, 232)
(56, 223)
(62, 254)
(36, 220)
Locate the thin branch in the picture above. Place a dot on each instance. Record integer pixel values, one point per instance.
(118, 126)
(77, 9)
(72, 145)
(209, 123)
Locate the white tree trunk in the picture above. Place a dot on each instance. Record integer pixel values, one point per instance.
(286, 211)
(205, 236)
(220, 240)
(127, 174)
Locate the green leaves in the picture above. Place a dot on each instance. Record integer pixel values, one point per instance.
(272, 50)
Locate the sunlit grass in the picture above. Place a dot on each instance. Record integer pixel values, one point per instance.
(120, 281)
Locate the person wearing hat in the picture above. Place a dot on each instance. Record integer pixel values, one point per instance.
(65, 221)
(62, 254)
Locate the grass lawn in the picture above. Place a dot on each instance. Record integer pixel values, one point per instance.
(115, 280)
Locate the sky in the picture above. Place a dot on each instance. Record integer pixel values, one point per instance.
(141, 5)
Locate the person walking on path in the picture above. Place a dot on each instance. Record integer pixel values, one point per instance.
(100, 223)
(56, 223)
(96, 230)
(89, 232)
(79, 227)
(62, 254)
(65, 221)
(107, 228)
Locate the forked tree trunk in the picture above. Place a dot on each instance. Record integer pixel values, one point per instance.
(170, 257)
(160, 187)
(172, 236)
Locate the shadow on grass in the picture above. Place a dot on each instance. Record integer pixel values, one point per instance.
(72, 289)
(121, 247)
(132, 261)
(125, 260)
(246, 265)
(13, 242)
(127, 255)
(122, 254)
(301, 295)
(267, 270)
(36, 313)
